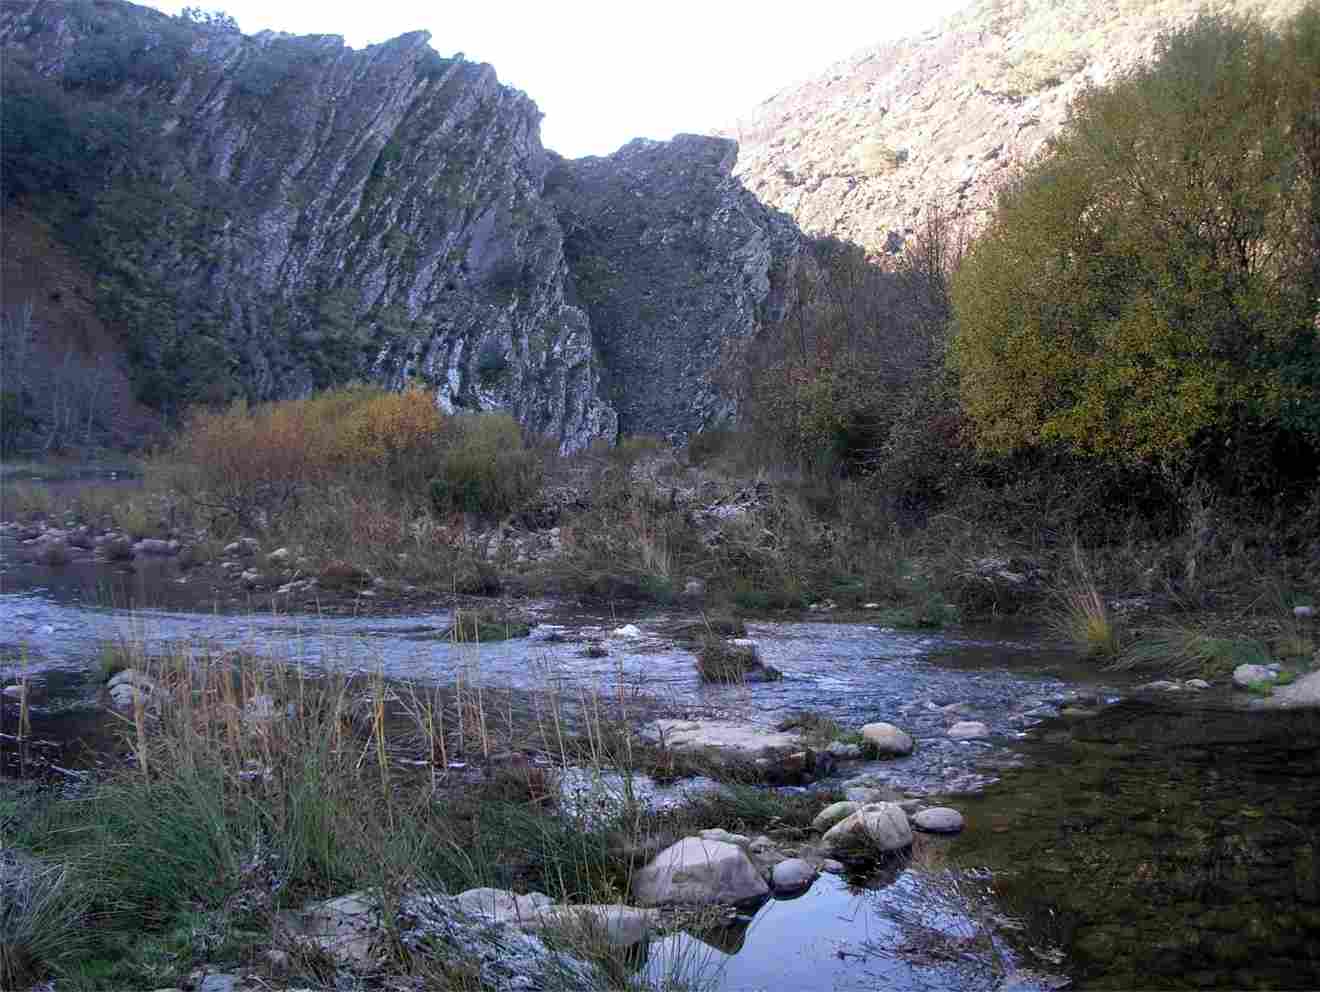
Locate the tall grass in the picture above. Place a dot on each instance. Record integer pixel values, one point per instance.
(256, 786)
(1082, 616)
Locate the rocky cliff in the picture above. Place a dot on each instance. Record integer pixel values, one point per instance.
(865, 149)
(288, 213)
(673, 259)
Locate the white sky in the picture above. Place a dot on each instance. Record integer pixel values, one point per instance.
(606, 71)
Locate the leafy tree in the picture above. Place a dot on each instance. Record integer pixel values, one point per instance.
(1148, 292)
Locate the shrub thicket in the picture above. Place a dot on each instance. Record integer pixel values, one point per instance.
(487, 469)
(247, 462)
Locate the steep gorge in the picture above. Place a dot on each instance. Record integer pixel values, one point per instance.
(267, 215)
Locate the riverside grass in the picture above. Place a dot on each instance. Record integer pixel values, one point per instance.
(256, 785)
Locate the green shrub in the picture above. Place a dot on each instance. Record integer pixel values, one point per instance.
(487, 469)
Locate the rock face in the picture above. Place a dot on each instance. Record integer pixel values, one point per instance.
(668, 285)
(696, 871)
(288, 213)
(865, 149)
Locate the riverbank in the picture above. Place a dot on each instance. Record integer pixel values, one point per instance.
(1077, 804)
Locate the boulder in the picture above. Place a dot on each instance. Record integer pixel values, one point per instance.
(792, 875)
(967, 730)
(1245, 676)
(1197, 684)
(875, 828)
(618, 925)
(1304, 612)
(938, 820)
(886, 739)
(279, 557)
(833, 813)
(696, 871)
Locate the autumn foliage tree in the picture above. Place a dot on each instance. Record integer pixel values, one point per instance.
(1148, 292)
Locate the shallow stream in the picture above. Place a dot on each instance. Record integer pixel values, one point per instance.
(1129, 842)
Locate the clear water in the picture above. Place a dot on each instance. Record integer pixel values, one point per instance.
(1157, 844)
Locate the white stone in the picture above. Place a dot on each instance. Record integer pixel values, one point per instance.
(833, 813)
(877, 827)
(726, 738)
(345, 928)
(502, 905)
(628, 630)
(1197, 684)
(1245, 676)
(966, 730)
(280, 556)
(699, 872)
(939, 820)
(792, 875)
(885, 738)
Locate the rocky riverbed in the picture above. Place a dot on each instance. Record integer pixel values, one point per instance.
(1070, 825)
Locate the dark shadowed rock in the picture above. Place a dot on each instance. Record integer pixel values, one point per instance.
(672, 258)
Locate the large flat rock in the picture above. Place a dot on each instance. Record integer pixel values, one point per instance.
(726, 737)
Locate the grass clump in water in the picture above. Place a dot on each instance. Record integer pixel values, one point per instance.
(1083, 617)
(722, 660)
(485, 626)
(1182, 650)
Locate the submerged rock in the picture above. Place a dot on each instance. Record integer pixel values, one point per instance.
(696, 871)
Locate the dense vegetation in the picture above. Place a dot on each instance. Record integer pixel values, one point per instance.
(1138, 323)
(1148, 293)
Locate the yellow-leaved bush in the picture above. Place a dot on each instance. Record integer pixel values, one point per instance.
(1152, 283)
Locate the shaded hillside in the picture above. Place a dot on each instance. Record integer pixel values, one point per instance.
(863, 150)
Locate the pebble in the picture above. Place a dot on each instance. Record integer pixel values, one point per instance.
(967, 730)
